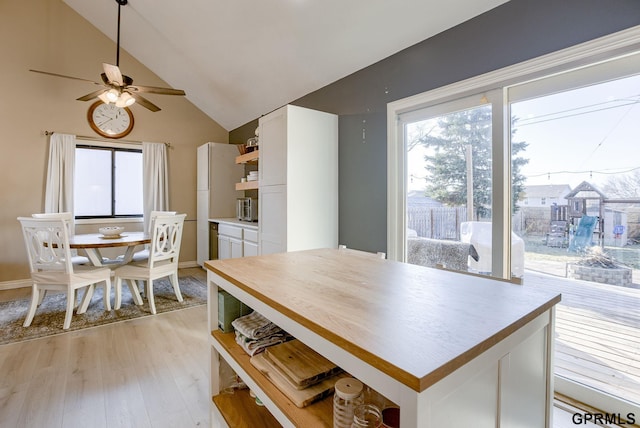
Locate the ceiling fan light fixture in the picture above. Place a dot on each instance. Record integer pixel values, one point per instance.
(125, 100)
(112, 95)
(116, 87)
(103, 97)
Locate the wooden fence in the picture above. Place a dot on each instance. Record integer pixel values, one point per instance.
(436, 222)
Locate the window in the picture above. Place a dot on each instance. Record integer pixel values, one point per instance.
(543, 201)
(107, 182)
(449, 188)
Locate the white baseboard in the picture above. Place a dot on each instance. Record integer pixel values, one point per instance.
(11, 285)
(22, 283)
(189, 264)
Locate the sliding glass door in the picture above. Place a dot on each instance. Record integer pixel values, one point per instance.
(539, 165)
(578, 214)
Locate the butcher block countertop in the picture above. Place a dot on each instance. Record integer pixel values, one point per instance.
(415, 324)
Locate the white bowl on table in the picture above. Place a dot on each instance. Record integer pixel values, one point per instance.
(111, 231)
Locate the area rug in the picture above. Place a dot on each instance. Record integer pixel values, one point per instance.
(50, 315)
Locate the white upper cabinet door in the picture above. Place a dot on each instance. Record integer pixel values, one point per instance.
(273, 148)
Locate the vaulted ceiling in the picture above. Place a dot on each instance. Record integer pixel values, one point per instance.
(240, 59)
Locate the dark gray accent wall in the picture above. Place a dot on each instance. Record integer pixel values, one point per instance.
(514, 32)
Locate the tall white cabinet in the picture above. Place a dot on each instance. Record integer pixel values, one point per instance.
(217, 174)
(298, 176)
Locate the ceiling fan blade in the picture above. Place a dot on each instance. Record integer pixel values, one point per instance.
(66, 77)
(91, 95)
(144, 102)
(156, 90)
(113, 73)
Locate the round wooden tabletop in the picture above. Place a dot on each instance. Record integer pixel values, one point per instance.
(97, 240)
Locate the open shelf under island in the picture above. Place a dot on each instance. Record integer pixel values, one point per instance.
(431, 341)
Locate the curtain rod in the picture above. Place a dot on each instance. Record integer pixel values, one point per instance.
(104, 140)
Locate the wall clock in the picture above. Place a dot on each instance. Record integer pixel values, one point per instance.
(110, 120)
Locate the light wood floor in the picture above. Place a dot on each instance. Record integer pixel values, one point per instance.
(146, 372)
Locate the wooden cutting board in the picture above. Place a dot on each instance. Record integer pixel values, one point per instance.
(299, 397)
(301, 364)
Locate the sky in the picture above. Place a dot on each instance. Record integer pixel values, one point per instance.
(588, 134)
(593, 132)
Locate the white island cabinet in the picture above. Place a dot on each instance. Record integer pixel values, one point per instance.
(452, 350)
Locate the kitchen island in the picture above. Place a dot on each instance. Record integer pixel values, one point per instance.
(450, 349)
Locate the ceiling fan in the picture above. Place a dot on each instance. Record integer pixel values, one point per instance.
(116, 87)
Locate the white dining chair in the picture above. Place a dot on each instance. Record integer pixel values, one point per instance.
(47, 243)
(164, 251)
(75, 258)
(143, 255)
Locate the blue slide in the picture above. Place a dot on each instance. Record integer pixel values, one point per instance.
(583, 237)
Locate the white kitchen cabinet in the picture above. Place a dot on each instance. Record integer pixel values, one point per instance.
(224, 247)
(273, 219)
(230, 241)
(249, 249)
(236, 248)
(250, 243)
(298, 174)
(236, 239)
(229, 248)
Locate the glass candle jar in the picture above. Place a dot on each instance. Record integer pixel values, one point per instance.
(347, 396)
(367, 416)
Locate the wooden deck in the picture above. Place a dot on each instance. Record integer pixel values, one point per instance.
(597, 334)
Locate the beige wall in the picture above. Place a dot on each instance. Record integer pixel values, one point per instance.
(48, 35)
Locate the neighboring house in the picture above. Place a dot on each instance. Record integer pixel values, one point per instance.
(417, 198)
(544, 195)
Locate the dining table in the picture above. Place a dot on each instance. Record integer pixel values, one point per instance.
(92, 243)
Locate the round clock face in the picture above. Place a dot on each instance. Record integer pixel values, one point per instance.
(109, 120)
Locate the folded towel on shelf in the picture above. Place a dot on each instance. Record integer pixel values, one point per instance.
(255, 346)
(254, 326)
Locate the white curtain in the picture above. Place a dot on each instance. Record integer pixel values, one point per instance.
(155, 181)
(59, 191)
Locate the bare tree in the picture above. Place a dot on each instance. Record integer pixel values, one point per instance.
(623, 186)
(421, 133)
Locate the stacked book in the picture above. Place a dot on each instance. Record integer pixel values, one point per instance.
(299, 372)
